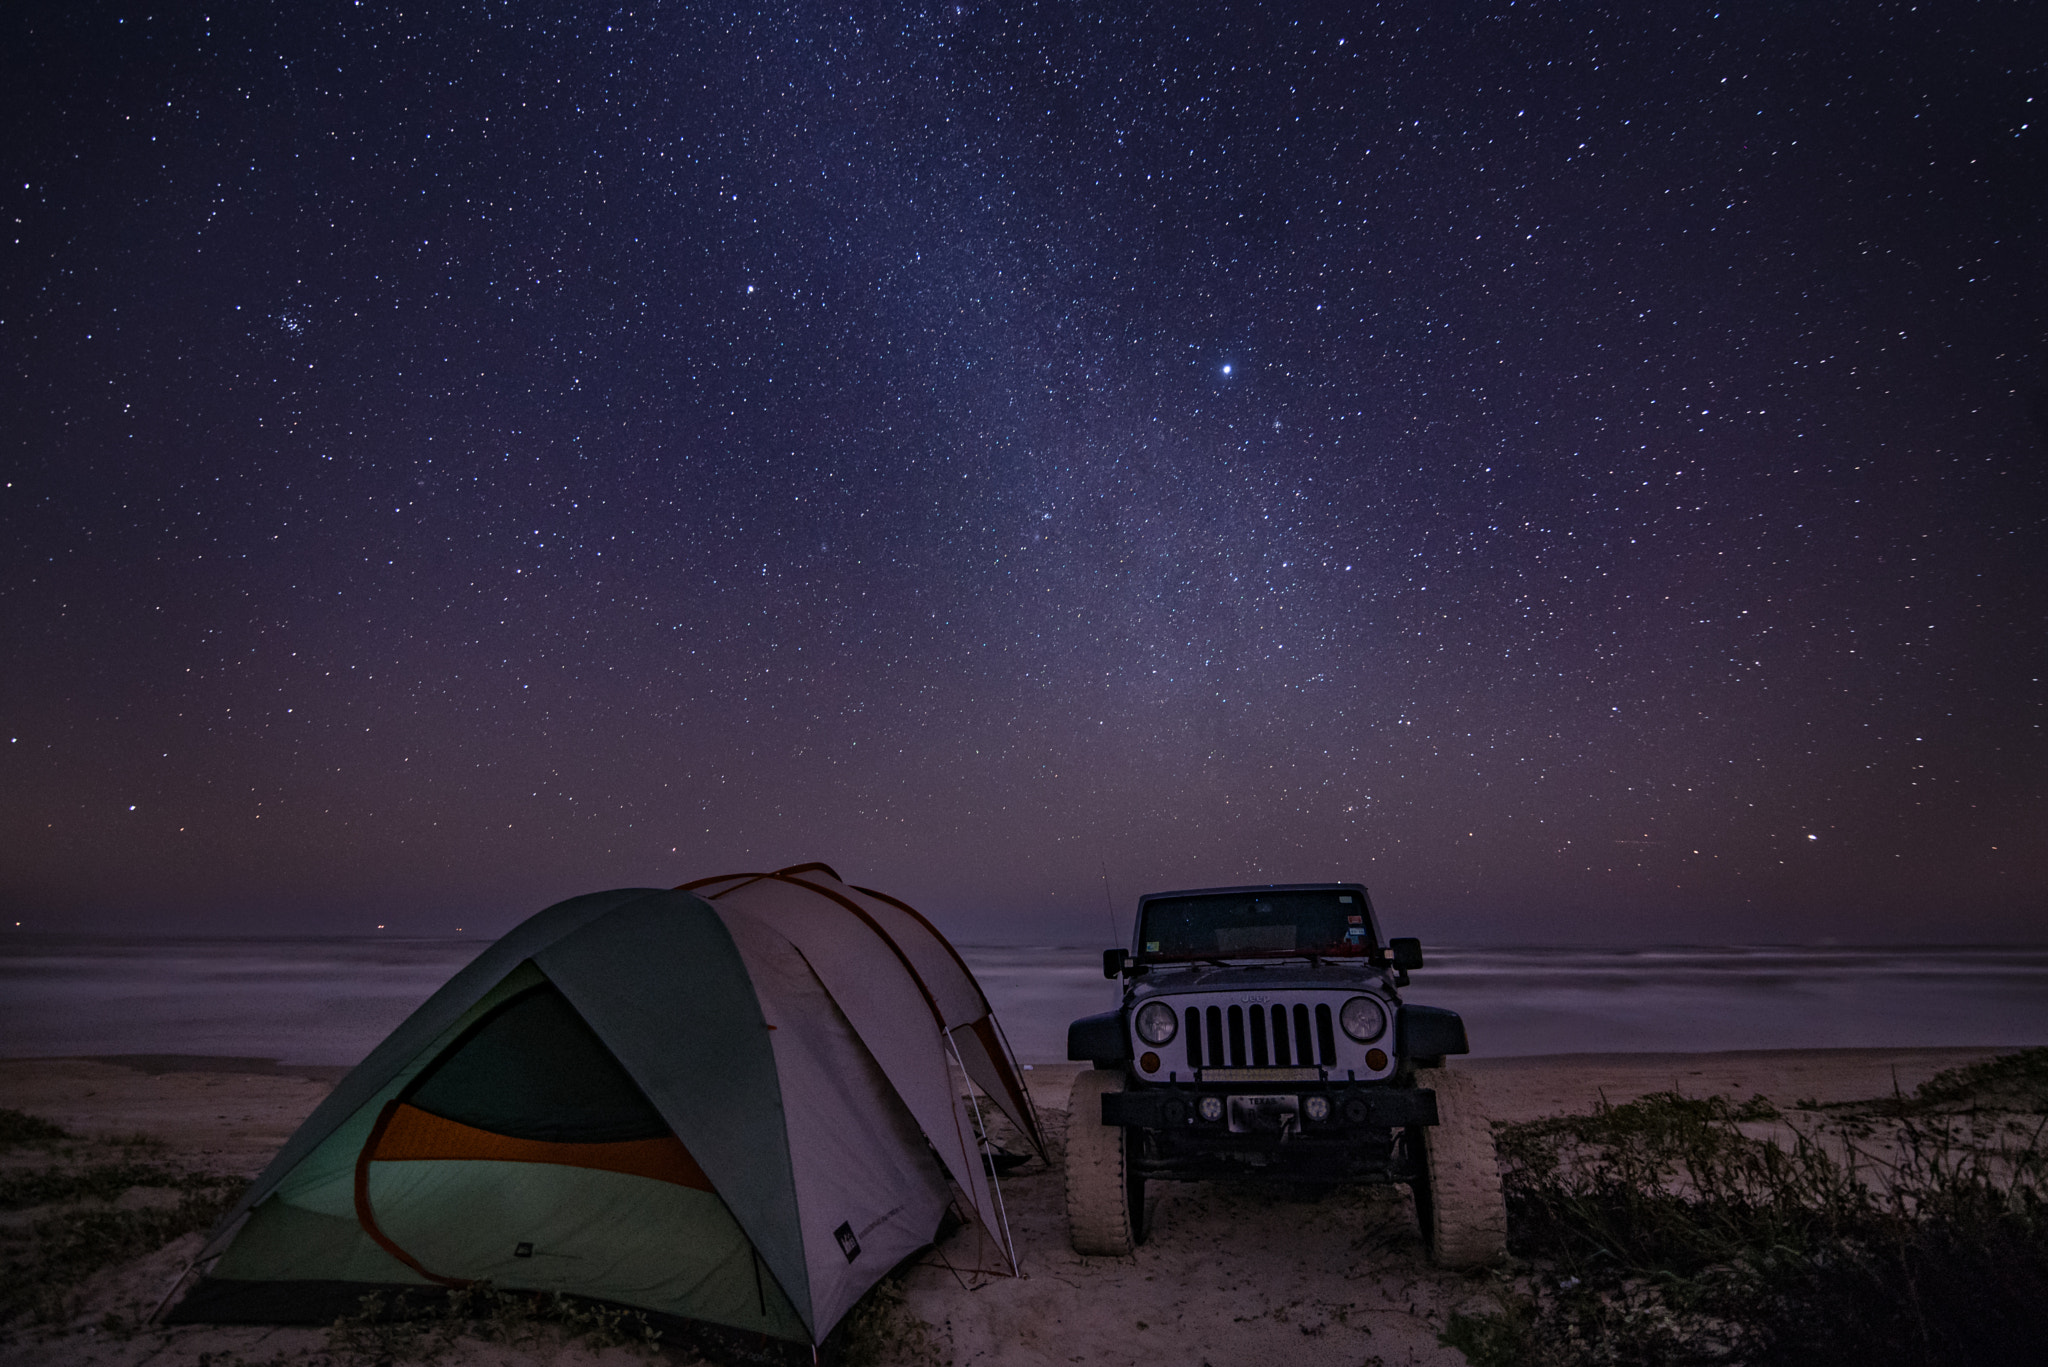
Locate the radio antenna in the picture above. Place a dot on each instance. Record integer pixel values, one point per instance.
(1109, 904)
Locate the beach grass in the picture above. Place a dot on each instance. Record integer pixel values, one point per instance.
(81, 1205)
(424, 1326)
(18, 1130)
(881, 1330)
(1910, 1229)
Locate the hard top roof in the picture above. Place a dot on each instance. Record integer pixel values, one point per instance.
(1255, 887)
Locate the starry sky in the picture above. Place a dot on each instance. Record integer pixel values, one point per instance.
(1576, 468)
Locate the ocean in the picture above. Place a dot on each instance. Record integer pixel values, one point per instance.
(328, 1001)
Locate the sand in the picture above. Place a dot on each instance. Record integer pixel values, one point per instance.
(1229, 1275)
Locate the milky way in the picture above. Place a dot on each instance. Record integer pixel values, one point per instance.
(1573, 468)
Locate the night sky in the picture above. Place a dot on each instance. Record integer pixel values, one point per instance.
(1574, 468)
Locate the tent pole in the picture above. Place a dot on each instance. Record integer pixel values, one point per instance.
(184, 1275)
(1030, 1102)
(981, 1129)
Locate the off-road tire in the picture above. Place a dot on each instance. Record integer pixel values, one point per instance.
(1458, 1198)
(1103, 1218)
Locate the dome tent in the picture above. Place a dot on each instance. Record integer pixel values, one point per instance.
(735, 1105)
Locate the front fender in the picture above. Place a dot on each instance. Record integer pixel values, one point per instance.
(1099, 1039)
(1429, 1032)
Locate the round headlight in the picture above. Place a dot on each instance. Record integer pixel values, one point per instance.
(1363, 1019)
(1156, 1023)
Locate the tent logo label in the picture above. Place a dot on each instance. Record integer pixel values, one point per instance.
(848, 1245)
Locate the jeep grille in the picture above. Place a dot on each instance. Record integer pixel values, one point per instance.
(1254, 1037)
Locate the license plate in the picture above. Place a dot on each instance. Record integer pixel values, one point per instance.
(1263, 1114)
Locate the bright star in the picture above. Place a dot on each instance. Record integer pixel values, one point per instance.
(1226, 370)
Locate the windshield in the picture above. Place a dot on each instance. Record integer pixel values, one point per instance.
(1256, 924)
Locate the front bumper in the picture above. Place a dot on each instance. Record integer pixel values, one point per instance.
(1171, 1108)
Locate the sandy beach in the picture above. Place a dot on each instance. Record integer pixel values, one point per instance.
(1229, 1274)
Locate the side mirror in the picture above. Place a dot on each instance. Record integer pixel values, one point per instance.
(1407, 952)
(1113, 962)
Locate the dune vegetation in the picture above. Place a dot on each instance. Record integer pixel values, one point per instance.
(71, 1206)
(1909, 1229)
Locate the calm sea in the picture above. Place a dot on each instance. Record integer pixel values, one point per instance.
(328, 1001)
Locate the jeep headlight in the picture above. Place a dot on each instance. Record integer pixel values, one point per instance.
(1363, 1019)
(1156, 1023)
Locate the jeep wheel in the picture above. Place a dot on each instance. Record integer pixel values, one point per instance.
(1458, 1198)
(1105, 1194)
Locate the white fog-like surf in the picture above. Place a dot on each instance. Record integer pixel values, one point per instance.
(327, 1002)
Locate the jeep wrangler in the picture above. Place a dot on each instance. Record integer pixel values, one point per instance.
(1262, 1035)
